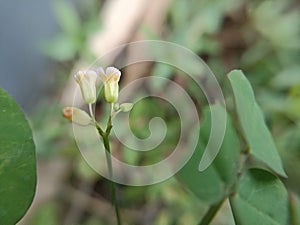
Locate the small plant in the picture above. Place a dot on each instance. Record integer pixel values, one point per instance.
(246, 171)
(87, 82)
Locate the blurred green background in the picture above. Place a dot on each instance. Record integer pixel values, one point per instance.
(260, 37)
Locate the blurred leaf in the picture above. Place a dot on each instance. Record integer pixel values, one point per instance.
(84, 170)
(289, 145)
(271, 101)
(68, 18)
(17, 161)
(179, 13)
(287, 78)
(148, 32)
(282, 29)
(95, 221)
(161, 70)
(51, 132)
(130, 156)
(132, 196)
(252, 122)
(289, 140)
(294, 209)
(46, 215)
(61, 48)
(214, 183)
(295, 91)
(256, 53)
(261, 198)
(163, 218)
(188, 218)
(293, 108)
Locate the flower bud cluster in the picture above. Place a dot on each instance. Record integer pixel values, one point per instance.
(87, 81)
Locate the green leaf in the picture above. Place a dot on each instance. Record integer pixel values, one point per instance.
(261, 198)
(67, 16)
(252, 122)
(62, 47)
(213, 184)
(17, 162)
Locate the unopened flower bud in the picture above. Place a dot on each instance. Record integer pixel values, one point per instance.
(77, 116)
(126, 107)
(111, 92)
(110, 79)
(116, 106)
(87, 82)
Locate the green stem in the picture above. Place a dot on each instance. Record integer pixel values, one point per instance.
(100, 131)
(210, 214)
(110, 172)
(108, 155)
(105, 138)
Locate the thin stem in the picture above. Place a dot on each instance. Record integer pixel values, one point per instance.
(101, 132)
(111, 109)
(110, 171)
(91, 111)
(105, 137)
(108, 155)
(115, 113)
(211, 213)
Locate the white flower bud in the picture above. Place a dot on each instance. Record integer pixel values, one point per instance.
(111, 91)
(77, 116)
(87, 82)
(110, 79)
(126, 107)
(116, 106)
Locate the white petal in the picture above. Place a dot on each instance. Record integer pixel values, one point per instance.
(101, 74)
(78, 76)
(91, 73)
(112, 71)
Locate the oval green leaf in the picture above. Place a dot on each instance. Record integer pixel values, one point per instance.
(213, 184)
(261, 198)
(251, 119)
(17, 162)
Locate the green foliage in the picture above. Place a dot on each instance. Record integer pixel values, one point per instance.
(256, 133)
(46, 215)
(252, 194)
(261, 198)
(213, 184)
(17, 161)
(281, 28)
(72, 40)
(286, 78)
(193, 22)
(260, 37)
(62, 47)
(67, 16)
(191, 25)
